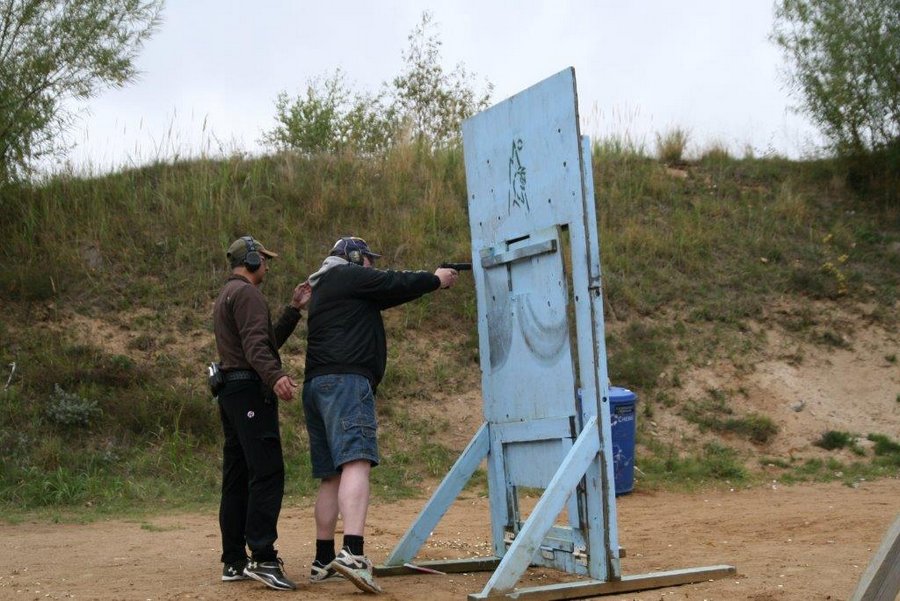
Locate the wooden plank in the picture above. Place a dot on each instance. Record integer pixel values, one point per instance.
(518, 254)
(449, 566)
(600, 493)
(503, 508)
(527, 542)
(530, 375)
(535, 429)
(522, 164)
(557, 551)
(881, 580)
(533, 464)
(442, 498)
(593, 588)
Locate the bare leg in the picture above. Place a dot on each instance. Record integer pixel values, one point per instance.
(353, 496)
(326, 511)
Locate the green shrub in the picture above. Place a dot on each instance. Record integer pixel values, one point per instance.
(714, 413)
(887, 451)
(331, 118)
(833, 439)
(713, 462)
(721, 463)
(756, 427)
(70, 410)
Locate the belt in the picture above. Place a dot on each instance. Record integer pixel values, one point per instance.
(240, 374)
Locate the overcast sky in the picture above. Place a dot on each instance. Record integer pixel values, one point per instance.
(210, 75)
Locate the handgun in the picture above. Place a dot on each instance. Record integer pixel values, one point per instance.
(457, 266)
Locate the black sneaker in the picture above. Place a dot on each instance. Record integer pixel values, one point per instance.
(270, 573)
(357, 569)
(320, 573)
(234, 571)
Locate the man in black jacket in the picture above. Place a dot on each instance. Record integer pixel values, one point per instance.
(252, 465)
(346, 355)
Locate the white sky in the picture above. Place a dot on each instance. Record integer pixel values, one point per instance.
(211, 73)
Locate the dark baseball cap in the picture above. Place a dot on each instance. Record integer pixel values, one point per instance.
(348, 244)
(239, 249)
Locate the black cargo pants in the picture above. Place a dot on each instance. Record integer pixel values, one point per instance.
(252, 471)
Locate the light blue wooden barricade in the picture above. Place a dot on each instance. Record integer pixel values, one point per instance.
(536, 264)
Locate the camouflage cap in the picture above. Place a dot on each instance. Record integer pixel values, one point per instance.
(240, 248)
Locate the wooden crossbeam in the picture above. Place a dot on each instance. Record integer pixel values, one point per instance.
(591, 588)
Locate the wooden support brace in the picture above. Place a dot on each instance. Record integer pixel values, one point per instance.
(441, 500)
(523, 548)
(881, 580)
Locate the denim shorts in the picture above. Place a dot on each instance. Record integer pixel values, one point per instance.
(340, 421)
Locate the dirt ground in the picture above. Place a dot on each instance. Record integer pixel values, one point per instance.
(797, 543)
(788, 543)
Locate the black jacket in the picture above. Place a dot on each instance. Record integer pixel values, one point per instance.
(346, 332)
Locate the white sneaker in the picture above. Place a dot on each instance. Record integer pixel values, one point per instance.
(320, 573)
(357, 569)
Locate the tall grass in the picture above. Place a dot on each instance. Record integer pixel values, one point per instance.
(688, 259)
(671, 146)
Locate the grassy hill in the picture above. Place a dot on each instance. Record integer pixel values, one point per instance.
(110, 281)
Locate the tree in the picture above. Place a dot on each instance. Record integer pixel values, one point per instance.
(330, 118)
(55, 51)
(845, 57)
(424, 101)
(433, 102)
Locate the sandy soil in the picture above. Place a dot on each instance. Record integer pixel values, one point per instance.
(800, 543)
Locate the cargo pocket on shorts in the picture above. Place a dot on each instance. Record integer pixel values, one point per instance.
(361, 424)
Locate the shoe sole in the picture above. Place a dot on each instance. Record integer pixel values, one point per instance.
(332, 578)
(330, 574)
(357, 580)
(278, 586)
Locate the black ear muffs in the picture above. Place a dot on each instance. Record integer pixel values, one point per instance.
(252, 260)
(354, 255)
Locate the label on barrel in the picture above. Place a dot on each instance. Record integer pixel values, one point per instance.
(624, 409)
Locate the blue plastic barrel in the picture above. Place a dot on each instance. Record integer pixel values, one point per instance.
(621, 409)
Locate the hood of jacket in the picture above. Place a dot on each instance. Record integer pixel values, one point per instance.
(328, 263)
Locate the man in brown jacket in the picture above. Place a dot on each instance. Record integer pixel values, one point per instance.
(253, 465)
